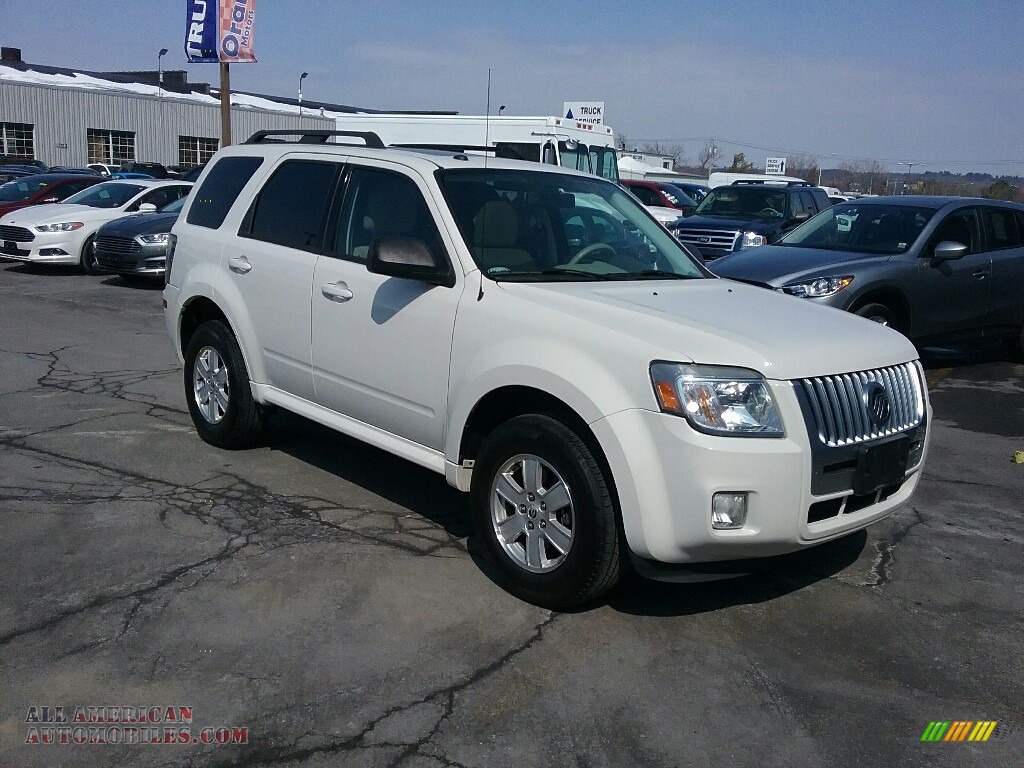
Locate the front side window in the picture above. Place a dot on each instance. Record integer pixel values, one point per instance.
(113, 147)
(547, 227)
(220, 189)
(291, 209)
(960, 226)
(381, 203)
(870, 229)
(110, 194)
(161, 196)
(605, 163)
(17, 140)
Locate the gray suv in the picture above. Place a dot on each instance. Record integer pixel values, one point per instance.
(934, 268)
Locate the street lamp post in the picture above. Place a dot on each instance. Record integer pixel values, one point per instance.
(910, 169)
(302, 77)
(160, 72)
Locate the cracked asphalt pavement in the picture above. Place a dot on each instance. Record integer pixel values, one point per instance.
(326, 596)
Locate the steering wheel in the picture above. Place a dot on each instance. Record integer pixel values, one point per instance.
(768, 210)
(589, 251)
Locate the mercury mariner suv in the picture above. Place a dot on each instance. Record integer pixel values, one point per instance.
(535, 336)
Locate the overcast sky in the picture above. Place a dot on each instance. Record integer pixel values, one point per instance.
(939, 83)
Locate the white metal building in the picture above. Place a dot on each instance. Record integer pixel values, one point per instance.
(72, 118)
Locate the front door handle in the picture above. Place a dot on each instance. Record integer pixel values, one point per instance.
(239, 264)
(338, 292)
(980, 274)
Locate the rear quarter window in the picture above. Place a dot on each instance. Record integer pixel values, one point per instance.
(220, 189)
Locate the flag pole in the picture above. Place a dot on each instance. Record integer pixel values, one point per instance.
(225, 105)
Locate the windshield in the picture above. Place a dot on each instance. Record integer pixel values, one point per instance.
(14, 191)
(885, 229)
(174, 207)
(111, 194)
(546, 227)
(758, 202)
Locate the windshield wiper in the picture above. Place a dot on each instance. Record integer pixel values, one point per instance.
(571, 271)
(661, 273)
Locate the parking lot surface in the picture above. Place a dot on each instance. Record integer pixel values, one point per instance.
(321, 600)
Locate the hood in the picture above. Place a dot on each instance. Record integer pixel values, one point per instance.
(663, 213)
(57, 212)
(698, 221)
(140, 224)
(719, 322)
(777, 265)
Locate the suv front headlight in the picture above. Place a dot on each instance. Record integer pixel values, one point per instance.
(818, 287)
(717, 400)
(752, 239)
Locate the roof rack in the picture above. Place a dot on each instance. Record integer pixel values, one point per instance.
(739, 182)
(370, 139)
(446, 147)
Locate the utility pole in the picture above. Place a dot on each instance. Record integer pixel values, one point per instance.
(225, 105)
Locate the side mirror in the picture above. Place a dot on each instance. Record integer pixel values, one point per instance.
(147, 208)
(949, 250)
(407, 258)
(802, 216)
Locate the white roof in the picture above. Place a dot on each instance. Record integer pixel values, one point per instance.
(90, 83)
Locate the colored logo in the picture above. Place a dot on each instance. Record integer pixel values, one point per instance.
(959, 730)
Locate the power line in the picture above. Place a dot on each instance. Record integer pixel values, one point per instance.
(745, 145)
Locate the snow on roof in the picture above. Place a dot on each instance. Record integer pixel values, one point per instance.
(51, 76)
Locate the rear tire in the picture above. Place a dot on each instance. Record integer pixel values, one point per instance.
(217, 389)
(89, 262)
(544, 514)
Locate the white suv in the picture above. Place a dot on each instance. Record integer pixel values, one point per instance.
(534, 335)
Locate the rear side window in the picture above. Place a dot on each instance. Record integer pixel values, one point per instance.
(291, 209)
(220, 189)
(1002, 228)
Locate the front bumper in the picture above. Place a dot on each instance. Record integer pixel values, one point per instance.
(666, 474)
(148, 260)
(45, 248)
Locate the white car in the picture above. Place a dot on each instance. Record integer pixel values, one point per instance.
(534, 336)
(64, 233)
(664, 214)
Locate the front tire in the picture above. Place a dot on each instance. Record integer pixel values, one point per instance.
(544, 513)
(89, 261)
(878, 313)
(217, 389)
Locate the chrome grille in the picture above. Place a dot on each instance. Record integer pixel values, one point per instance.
(16, 234)
(719, 239)
(839, 404)
(120, 245)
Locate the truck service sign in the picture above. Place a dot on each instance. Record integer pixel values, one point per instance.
(220, 31)
(775, 165)
(584, 111)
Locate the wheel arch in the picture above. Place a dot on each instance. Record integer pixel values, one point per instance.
(500, 405)
(893, 298)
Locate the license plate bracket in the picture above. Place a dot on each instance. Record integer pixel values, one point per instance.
(880, 465)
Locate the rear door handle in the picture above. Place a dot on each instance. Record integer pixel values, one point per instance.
(239, 264)
(338, 292)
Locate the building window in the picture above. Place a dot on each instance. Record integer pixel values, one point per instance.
(111, 147)
(195, 150)
(16, 140)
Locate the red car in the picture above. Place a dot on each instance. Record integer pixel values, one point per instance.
(42, 188)
(661, 193)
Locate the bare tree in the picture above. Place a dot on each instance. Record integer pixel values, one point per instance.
(706, 157)
(803, 166)
(740, 164)
(675, 151)
(623, 141)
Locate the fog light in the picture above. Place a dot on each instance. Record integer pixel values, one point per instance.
(728, 510)
(53, 252)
